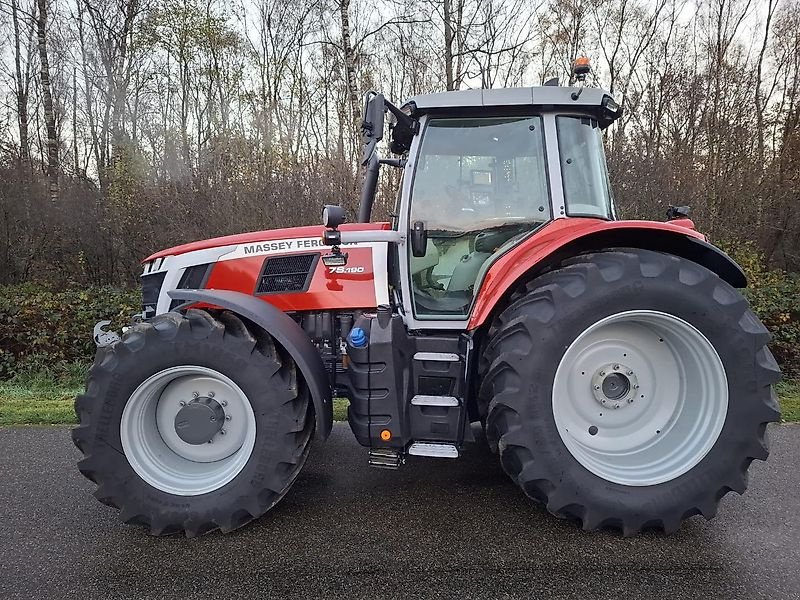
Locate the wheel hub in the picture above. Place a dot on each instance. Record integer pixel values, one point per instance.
(615, 385)
(170, 439)
(199, 421)
(640, 397)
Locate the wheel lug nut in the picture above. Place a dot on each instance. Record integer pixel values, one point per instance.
(183, 402)
(210, 441)
(636, 387)
(195, 394)
(222, 432)
(597, 387)
(210, 394)
(224, 403)
(213, 418)
(629, 372)
(616, 367)
(602, 373)
(227, 417)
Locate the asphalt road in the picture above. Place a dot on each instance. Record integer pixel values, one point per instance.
(436, 528)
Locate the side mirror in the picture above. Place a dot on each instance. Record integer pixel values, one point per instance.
(372, 124)
(419, 239)
(333, 216)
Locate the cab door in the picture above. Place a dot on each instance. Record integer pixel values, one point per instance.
(479, 186)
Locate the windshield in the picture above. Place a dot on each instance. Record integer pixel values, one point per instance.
(479, 185)
(587, 191)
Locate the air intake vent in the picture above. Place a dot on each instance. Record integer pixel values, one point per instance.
(287, 273)
(193, 278)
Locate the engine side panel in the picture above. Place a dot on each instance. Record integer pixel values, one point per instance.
(362, 283)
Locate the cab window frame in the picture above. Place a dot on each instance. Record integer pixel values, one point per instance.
(609, 197)
(548, 203)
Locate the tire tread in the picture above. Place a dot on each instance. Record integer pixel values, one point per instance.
(536, 304)
(295, 417)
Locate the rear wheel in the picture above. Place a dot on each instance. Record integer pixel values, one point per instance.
(192, 423)
(629, 389)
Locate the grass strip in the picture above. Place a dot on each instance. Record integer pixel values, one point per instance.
(53, 405)
(21, 405)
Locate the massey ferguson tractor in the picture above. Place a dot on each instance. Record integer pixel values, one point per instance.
(614, 365)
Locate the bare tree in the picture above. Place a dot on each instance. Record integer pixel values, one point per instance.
(47, 102)
(188, 118)
(349, 58)
(22, 79)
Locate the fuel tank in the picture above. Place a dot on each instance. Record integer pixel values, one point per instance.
(282, 267)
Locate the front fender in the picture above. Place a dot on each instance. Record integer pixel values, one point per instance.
(564, 238)
(287, 333)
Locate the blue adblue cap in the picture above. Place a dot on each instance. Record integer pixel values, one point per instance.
(358, 337)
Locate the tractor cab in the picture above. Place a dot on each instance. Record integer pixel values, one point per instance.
(483, 170)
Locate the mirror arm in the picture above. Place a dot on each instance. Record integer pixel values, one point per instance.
(393, 162)
(369, 187)
(372, 235)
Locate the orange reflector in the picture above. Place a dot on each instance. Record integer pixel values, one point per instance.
(582, 61)
(386, 435)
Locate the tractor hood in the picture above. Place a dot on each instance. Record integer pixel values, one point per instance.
(256, 264)
(272, 235)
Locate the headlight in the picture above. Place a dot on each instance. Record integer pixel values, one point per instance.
(611, 105)
(153, 266)
(332, 215)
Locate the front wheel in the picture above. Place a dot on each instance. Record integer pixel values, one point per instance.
(192, 423)
(629, 389)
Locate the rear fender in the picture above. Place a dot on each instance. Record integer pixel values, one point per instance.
(287, 333)
(564, 238)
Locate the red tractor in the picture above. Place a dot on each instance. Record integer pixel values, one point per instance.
(614, 366)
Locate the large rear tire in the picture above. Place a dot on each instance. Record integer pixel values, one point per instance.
(629, 389)
(193, 422)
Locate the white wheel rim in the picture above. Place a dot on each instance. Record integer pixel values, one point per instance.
(161, 457)
(652, 433)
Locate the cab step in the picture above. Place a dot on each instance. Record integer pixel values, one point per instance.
(422, 400)
(433, 450)
(437, 356)
(384, 458)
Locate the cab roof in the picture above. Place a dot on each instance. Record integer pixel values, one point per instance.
(591, 100)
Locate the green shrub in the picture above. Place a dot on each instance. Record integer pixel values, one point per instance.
(775, 297)
(50, 331)
(48, 334)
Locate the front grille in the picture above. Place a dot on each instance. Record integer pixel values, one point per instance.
(287, 273)
(151, 289)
